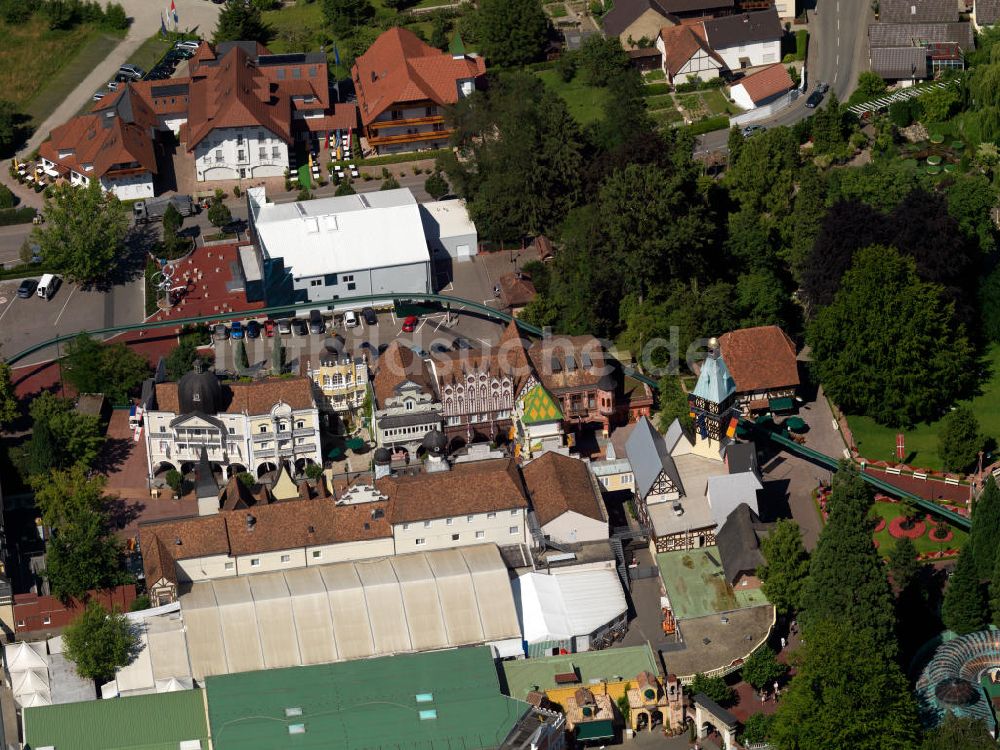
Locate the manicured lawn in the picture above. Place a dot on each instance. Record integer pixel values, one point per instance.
(664, 101)
(558, 11)
(923, 543)
(32, 57)
(654, 75)
(718, 103)
(878, 442)
(150, 52)
(666, 116)
(585, 103)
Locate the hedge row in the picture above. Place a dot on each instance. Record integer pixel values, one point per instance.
(393, 158)
(10, 216)
(21, 271)
(719, 122)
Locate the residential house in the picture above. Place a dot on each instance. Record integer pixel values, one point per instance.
(566, 499)
(915, 39)
(985, 13)
(764, 87)
(746, 40)
(516, 291)
(473, 503)
(686, 54)
(764, 368)
(115, 144)
(739, 542)
(638, 22)
(347, 245)
(405, 404)
(340, 379)
(40, 617)
(451, 234)
(255, 427)
(403, 86)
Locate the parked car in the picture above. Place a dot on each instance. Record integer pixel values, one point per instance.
(253, 330)
(121, 78)
(461, 343)
(191, 44)
(27, 288)
(269, 328)
(422, 353)
(410, 324)
(749, 130)
(98, 95)
(299, 327)
(132, 71)
(285, 325)
(369, 316)
(220, 332)
(822, 87)
(350, 319)
(814, 99)
(316, 324)
(236, 331)
(112, 85)
(438, 348)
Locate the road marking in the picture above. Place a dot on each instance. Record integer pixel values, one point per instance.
(64, 306)
(838, 29)
(7, 308)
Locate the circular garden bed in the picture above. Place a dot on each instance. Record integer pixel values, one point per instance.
(937, 139)
(901, 526)
(934, 160)
(880, 525)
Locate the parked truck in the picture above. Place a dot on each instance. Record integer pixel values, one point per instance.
(153, 210)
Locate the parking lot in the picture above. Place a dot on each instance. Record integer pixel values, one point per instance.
(24, 322)
(431, 330)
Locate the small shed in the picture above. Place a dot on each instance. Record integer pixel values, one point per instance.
(449, 231)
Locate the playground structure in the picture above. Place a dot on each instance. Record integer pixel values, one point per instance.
(168, 292)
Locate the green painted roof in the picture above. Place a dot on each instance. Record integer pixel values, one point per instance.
(367, 703)
(160, 721)
(601, 729)
(523, 674)
(539, 407)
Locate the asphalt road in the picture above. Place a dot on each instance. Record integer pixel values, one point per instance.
(838, 30)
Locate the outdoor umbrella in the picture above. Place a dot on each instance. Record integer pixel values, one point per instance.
(796, 424)
(335, 453)
(355, 443)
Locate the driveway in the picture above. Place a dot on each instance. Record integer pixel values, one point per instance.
(197, 16)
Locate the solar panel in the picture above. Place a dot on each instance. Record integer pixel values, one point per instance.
(288, 59)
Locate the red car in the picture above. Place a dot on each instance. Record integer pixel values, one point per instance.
(410, 324)
(269, 328)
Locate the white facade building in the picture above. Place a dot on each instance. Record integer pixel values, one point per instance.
(236, 153)
(746, 40)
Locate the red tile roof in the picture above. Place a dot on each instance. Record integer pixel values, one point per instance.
(234, 93)
(253, 398)
(682, 43)
(760, 359)
(558, 484)
(399, 68)
(767, 83)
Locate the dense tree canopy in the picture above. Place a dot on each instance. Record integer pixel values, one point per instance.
(100, 642)
(112, 369)
(889, 346)
(964, 607)
(985, 528)
(83, 555)
(84, 231)
(61, 436)
(241, 21)
(786, 568)
(956, 732)
(960, 439)
(510, 32)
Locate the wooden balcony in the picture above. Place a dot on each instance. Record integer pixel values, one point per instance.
(406, 121)
(427, 135)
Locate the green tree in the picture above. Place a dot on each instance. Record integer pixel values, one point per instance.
(181, 358)
(241, 21)
(762, 668)
(870, 86)
(940, 104)
(95, 367)
(855, 342)
(715, 688)
(40, 451)
(115, 17)
(389, 183)
(219, 213)
(959, 733)
(67, 438)
(345, 16)
(762, 174)
(83, 555)
(960, 439)
(99, 642)
(903, 563)
(11, 130)
(786, 569)
(248, 480)
(994, 592)
(242, 361)
(674, 404)
(345, 188)
(84, 231)
(9, 402)
(439, 32)
(600, 60)
(511, 32)
(756, 728)
(846, 577)
(761, 299)
(63, 495)
(845, 694)
(829, 128)
(172, 222)
(985, 528)
(436, 185)
(964, 609)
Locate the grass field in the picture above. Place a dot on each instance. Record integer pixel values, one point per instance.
(35, 63)
(718, 103)
(925, 543)
(585, 103)
(877, 442)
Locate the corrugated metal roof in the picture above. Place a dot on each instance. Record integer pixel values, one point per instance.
(366, 704)
(522, 675)
(160, 721)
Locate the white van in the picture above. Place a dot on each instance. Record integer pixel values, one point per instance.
(48, 285)
(350, 319)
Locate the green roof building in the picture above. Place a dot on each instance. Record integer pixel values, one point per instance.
(540, 407)
(160, 721)
(608, 665)
(443, 699)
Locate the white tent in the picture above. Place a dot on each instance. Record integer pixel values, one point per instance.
(29, 681)
(34, 699)
(172, 685)
(569, 605)
(21, 656)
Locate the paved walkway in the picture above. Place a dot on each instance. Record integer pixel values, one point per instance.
(197, 15)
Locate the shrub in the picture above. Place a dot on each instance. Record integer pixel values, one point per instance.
(652, 89)
(304, 194)
(719, 122)
(314, 471)
(801, 44)
(7, 197)
(436, 185)
(10, 216)
(246, 479)
(175, 480)
(141, 602)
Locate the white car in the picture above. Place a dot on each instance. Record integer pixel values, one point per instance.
(191, 44)
(350, 319)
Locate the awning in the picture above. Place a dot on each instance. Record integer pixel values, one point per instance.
(355, 443)
(603, 729)
(781, 404)
(796, 424)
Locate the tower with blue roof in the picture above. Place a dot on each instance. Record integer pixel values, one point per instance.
(713, 400)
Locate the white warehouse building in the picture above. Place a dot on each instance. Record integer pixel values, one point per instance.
(342, 246)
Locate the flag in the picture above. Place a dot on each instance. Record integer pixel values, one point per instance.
(731, 430)
(336, 54)
(163, 26)
(173, 11)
